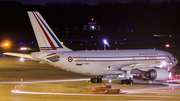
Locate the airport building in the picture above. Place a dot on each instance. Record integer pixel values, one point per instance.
(92, 25)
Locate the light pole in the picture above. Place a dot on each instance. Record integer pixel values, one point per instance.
(105, 43)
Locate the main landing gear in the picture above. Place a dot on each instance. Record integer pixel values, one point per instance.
(128, 78)
(127, 81)
(96, 80)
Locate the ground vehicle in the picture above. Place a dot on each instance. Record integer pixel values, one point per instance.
(105, 89)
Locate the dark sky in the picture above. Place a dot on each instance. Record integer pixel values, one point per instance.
(90, 2)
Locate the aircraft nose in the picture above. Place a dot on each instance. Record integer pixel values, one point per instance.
(175, 61)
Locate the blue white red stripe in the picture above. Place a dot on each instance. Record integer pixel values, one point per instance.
(46, 35)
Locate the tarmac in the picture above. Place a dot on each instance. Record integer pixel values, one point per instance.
(31, 81)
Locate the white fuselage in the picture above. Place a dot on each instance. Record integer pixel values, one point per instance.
(109, 62)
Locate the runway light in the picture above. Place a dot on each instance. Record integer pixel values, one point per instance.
(106, 43)
(155, 35)
(6, 44)
(23, 48)
(167, 45)
(62, 43)
(32, 42)
(22, 59)
(21, 43)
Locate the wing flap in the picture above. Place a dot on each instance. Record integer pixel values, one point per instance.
(140, 66)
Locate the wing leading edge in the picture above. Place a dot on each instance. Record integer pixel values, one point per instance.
(19, 55)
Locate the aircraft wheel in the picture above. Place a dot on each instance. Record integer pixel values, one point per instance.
(92, 80)
(95, 80)
(126, 81)
(99, 80)
(122, 82)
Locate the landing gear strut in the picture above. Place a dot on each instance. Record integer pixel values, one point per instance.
(126, 81)
(96, 80)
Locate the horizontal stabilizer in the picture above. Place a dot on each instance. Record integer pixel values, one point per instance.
(19, 55)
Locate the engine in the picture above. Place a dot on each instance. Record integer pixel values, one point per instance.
(157, 74)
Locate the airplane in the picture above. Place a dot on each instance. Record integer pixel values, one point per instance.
(152, 63)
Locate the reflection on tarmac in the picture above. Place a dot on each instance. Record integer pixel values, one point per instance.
(25, 92)
(45, 81)
(125, 92)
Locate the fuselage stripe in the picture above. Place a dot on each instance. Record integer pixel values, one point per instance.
(49, 40)
(115, 60)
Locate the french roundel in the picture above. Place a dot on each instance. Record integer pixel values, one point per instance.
(70, 59)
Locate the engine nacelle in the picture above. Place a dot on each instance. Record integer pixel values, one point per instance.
(157, 74)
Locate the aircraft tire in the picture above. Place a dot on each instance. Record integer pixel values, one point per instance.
(122, 82)
(126, 81)
(99, 80)
(95, 80)
(92, 80)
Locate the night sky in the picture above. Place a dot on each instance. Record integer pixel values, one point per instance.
(90, 2)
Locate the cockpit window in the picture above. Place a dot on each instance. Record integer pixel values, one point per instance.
(53, 57)
(174, 59)
(167, 59)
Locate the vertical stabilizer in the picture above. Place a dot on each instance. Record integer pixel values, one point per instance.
(46, 38)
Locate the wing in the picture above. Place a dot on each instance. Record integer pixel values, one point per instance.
(141, 66)
(19, 55)
(136, 68)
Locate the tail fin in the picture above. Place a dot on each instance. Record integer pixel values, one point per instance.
(46, 38)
